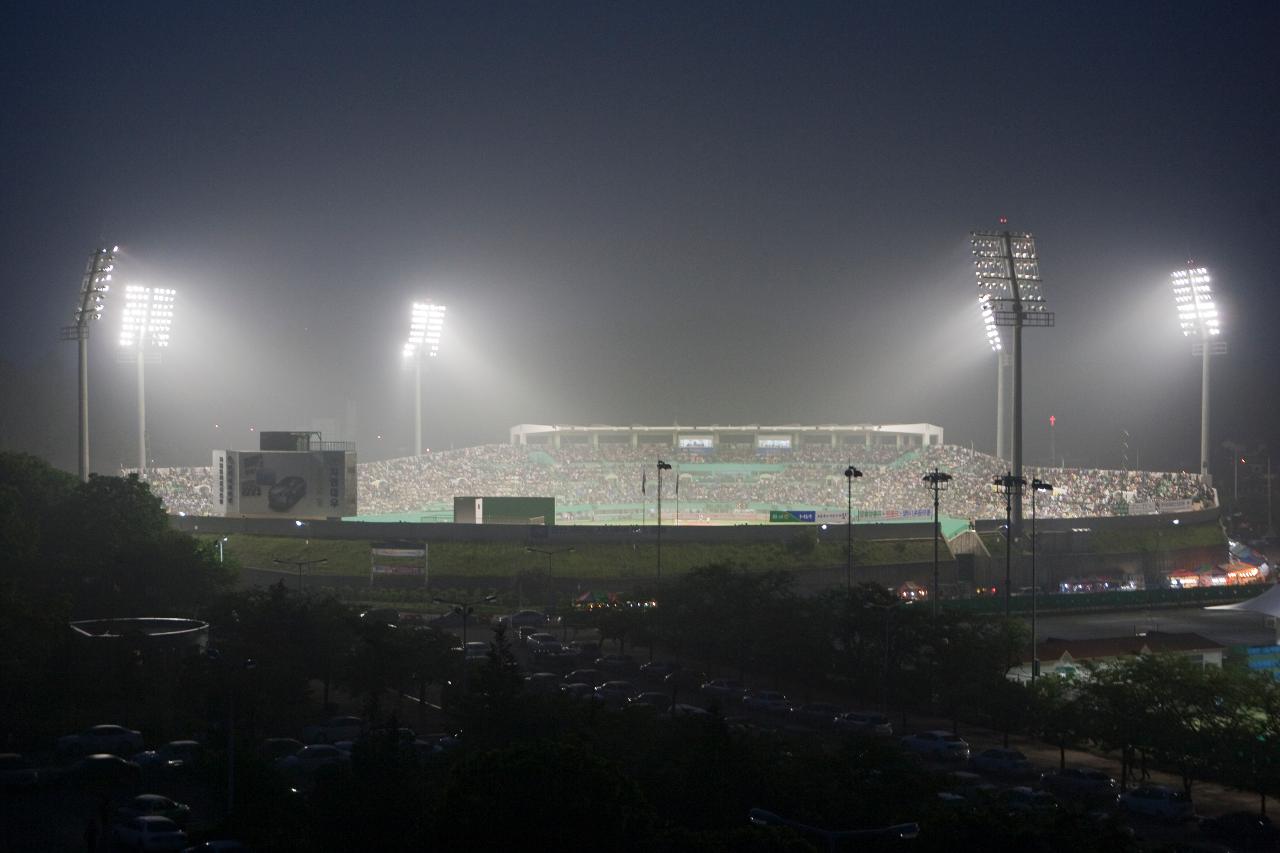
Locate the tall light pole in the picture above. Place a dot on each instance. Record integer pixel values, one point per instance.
(662, 466)
(1009, 287)
(850, 474)
(1037, 485)
(937, 481)
(992, 333)
(1198, 318)
(1011, 487)
(93, 289)
(550, 554)
(426, 327)
(148, 318)
(465, 609)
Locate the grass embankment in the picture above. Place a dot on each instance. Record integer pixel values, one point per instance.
(350, 557)
(1169, 537)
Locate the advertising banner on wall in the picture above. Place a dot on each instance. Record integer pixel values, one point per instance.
(285, 484)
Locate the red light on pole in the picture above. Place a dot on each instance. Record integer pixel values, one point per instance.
(1052, 420)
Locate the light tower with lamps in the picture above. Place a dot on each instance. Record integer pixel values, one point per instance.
(1009, 287)
(1037, 485)
(850, 474)
(937, 482)
(426, 327)
(93, 288)
(1198, 317)
(145, 328)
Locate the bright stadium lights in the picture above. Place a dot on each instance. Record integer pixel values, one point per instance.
(145, 325)
(426, 328)
(93, 289)
(1198, 317)
(1008, 271)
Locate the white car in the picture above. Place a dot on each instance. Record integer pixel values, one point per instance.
(115, 740)
(770, 701)
(149, 832)
(337, 728)
(1158, 801)
(938, 744)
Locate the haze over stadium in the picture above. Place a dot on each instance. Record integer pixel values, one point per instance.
(676, 214)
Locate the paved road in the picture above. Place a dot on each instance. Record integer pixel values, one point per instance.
(1229, 627)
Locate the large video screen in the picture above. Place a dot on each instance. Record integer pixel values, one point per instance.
(285, 484)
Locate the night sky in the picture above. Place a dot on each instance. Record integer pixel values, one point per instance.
(651, 213)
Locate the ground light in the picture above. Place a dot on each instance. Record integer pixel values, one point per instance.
(426, 328)
(145, 329)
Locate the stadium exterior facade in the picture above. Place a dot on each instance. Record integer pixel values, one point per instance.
(707, 438)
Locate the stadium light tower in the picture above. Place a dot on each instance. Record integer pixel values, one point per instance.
(93, 289)
(148, 316)
(1009, 286)
(992, 333)
(426, 327)
(850, 474)
(1199, 319)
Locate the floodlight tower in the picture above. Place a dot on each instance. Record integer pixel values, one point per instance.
(1003, 360)
(1009, 285)
(148, 316)
(426, 327)
(93, 289)
(1198, 317)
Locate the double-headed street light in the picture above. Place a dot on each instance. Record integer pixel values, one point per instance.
(301, 564)
(1011, 487)
(145, 328)
(465, 609)
(1037, 485)
(93, 290)
(1198, 317)
(937, 481)
(850, 474)
(426, 328)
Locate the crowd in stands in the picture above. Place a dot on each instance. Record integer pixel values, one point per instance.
(731, 480)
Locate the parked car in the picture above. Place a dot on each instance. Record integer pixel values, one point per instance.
(681, 710)
(543, 643)
(863, 722)
(149, 832)
(151, 759)
(769, 701)
(524, 617)
(311, 758)
(524, 632)
(102, 769)
(624, 664)
(650, 699)
(476, 651)
(116, 740)
(274, 748)
(938, 744)
(182, 753)
(1088, 784)
(16, 772)
(658, 670)
(723, 688)
(615, 693)
(594, 677)
(577, 690)
(335, 728)
(542, 684)
(1158, 801)
(155, 804)
(219, 846)
(1005, 762)
(381, 616)
(820, 715)
(1024, 800)
(1243, 830)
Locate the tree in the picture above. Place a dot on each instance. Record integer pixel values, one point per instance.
(1056, 712)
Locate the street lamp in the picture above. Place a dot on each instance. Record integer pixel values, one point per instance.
(464, 609)
(549, 553)
(1198, 317)
(897, 832)
(426, 327)
(662, 466)
(221, 541)
(1010, 290)
(148, 316)
(1037, 485)
(849, 474)
(937, 481)
(1011, 487)
(301, 564)
(93, 289)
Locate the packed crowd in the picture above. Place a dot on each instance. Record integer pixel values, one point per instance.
(729, 480)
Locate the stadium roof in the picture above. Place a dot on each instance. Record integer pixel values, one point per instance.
(920, 429)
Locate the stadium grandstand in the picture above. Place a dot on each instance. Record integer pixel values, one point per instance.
(722, 475)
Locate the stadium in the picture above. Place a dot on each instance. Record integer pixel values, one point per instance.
(768, 484)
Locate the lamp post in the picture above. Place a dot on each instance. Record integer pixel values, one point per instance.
(93, 289)
(549, 553)
(148, 317)
(221, 541)
(1037, 485)
(937, 481)
(850, 474)
(301, 564)
(465, 609)
(662, 466)
(1198, 318)
(1011, 487)
(426, 327)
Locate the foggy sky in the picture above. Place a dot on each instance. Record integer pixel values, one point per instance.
(636, 213)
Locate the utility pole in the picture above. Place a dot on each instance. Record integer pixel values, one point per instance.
(937, 481)
(850, 474)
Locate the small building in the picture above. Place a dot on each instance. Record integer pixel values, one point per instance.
(1063, 656)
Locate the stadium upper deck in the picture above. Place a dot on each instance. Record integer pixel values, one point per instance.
(782, 437)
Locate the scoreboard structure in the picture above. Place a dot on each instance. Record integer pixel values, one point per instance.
(315, 479)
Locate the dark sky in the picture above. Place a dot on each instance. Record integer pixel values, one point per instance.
(636, 213)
